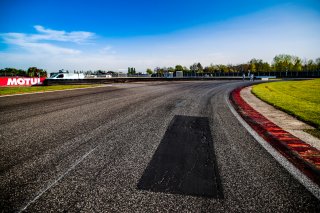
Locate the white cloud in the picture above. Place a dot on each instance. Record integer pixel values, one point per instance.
(45, 48)
(41, 42)
(107, 50)
(56, 49)
(60, 35)
(21, 40)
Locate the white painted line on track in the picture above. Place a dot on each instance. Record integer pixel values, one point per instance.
(302, 178)
(57, 180)
(32, 93)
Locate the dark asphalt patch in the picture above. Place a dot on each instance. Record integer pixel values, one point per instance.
(184, 162)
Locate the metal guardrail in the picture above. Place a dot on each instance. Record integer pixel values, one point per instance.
(189, 76)
(130, 79)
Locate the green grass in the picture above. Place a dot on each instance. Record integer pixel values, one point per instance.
(314, 132)
(298, 98)
(20, 90)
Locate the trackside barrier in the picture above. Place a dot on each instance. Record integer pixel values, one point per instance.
(20, 81)
(126, 80)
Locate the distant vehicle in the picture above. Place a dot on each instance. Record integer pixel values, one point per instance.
(65, 75)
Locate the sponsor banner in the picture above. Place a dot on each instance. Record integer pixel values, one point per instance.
(20, 81)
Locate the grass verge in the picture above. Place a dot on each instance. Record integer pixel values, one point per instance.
(298, 98)
(21, 90)
(314, 132)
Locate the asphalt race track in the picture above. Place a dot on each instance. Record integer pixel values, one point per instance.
(143, 147)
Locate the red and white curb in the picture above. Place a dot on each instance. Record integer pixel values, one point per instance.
(298, 157)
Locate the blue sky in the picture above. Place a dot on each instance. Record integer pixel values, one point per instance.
(114, 35)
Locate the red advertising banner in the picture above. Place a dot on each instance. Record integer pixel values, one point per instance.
(20, 81)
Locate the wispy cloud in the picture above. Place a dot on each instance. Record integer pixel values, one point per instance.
(56, 49)
(40, 42)
(60, 35)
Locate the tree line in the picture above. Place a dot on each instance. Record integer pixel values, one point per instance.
(281, 63)
(30, 72)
